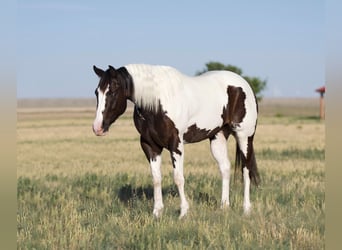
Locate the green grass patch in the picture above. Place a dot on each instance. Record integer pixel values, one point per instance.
(292, 153)
(101, 212)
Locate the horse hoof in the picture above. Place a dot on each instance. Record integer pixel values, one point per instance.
(157, 213)
(225, 205)
(184, 211)
(247, 209)
(182, 215)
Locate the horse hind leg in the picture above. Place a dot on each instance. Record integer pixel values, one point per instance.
(218, 146)
(250, 173)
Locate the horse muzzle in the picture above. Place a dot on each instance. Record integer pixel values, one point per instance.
(98, 130)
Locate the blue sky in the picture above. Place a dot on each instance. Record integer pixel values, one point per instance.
(58, 42)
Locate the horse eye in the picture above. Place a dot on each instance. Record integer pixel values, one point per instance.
(113, 88)
(110, 92)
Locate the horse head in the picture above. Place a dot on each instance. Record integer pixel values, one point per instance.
(111, 98)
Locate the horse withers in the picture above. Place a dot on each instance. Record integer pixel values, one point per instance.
(172, 109)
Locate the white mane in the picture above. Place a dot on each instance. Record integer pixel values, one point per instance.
(154, 84)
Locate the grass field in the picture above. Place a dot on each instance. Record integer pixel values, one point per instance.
(78, 191)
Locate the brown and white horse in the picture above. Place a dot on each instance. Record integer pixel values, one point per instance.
(172, 109)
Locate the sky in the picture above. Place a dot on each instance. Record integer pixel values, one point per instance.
(58, 42)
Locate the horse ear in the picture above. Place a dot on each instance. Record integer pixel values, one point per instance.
(112, 70)
(98, 72)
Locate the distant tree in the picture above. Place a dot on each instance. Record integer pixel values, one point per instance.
(256, 83)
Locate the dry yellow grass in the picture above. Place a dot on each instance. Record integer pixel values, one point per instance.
(63, 144)
(67, 135)
(70, 182)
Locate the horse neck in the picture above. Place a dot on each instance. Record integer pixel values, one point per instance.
(126, 83)
(153, 84)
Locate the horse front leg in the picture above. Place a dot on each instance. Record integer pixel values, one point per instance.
(157, 186)
(153, 154)
(177, 157)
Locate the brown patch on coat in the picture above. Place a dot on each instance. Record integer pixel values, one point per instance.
(196, 134)
(235, 110)
(157, 131)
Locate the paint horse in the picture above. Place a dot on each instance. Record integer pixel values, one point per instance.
(172, 109)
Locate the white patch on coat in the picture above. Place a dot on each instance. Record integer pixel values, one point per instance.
(101, 98)
(190, 100)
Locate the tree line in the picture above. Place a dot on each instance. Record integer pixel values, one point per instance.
(257, 84)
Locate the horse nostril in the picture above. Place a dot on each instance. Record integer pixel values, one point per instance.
(97, 131)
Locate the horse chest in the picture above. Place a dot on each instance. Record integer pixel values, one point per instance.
(155, 127)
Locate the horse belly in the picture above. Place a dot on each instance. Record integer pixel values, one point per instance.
(204, 124)
(196, 134)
